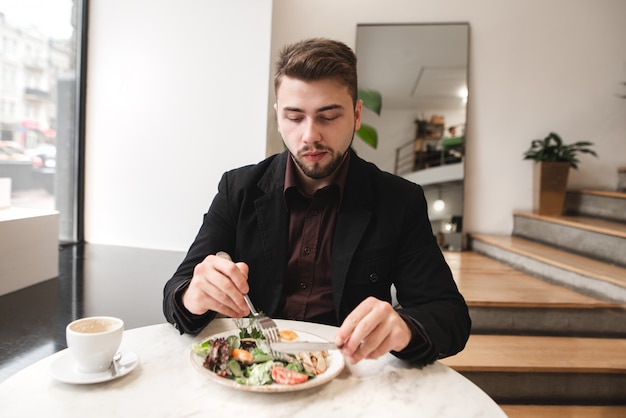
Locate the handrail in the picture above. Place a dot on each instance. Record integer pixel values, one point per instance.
(408, 160)
(405, 158)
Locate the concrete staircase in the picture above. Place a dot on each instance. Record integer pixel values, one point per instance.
(579, 250)
(550, 352)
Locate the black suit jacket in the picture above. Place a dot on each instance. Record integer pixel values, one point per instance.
(383, 237)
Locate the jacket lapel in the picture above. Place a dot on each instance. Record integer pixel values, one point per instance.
(273, 222)
(354, 216)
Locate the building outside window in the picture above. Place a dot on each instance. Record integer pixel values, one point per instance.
(39, 105)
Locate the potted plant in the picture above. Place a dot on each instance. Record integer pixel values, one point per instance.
(371, 100)
(553, 160)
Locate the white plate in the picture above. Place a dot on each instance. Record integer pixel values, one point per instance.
(335, 361)
(64, 369)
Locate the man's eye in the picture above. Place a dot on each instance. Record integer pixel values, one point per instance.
(293, 115)
(328, 118)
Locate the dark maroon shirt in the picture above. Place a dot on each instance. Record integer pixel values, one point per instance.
(308, 292)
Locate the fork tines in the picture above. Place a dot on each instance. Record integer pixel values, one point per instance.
(269, 329)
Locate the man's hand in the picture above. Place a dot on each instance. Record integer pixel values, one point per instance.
(218, 285)
(371, 330)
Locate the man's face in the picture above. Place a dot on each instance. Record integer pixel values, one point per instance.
(317, 122)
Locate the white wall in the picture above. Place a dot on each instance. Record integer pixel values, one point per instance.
(177, 94)
(535, 66)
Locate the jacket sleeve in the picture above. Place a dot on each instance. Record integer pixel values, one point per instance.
(426, 290)
(176, 313)
(397, 248)
(215, 234)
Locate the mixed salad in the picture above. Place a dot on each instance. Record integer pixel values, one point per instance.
(245, 358)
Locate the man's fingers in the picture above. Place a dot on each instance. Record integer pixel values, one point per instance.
(237, 273)
(218, 284)
(355, 328)
(372, 329)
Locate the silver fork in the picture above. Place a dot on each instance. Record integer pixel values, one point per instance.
(270, 332)
(267, 324)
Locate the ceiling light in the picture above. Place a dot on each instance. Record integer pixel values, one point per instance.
(439, 205)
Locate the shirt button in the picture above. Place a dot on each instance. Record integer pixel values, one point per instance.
(303, 285)
(307, 250)
(314, 212)
(373, 277)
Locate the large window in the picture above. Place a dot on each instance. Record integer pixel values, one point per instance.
(40, 79)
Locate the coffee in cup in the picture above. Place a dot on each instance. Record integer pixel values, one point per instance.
(93, 341)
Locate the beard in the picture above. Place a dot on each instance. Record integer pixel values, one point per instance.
(318, 171)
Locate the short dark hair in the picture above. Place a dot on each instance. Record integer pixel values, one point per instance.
(317, 59)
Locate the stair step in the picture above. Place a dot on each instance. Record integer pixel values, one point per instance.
(540, 354)
(503, 300)
(564, 411)
(601, 239)
(484, 281)
(583, 274)
(540, 369)
(596, 203)
(597, 225)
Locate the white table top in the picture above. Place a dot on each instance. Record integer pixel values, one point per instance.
(165, 384)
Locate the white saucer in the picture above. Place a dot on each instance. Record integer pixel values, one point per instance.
(64, 369)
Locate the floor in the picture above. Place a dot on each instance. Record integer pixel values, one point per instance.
(128, 283)
(93, 280)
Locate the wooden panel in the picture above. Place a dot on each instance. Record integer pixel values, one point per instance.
(563, 411)
(507, 353)
(606, 193)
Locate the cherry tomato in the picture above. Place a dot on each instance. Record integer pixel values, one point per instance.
(285, 376)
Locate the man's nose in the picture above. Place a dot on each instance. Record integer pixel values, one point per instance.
(311, 132)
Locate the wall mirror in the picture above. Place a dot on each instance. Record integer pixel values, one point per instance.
(421, 72)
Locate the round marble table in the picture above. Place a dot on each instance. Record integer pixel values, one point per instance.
(165, 384)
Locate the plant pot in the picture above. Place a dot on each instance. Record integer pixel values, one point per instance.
(550, 186)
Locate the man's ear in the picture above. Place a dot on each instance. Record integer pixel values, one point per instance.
(357, 114)
(277, 118)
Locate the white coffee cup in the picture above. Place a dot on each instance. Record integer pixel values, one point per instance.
(93, 341)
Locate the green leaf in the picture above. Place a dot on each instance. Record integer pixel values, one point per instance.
(202, 349)
(368, 135)
(552, 148)
(235, 368)
(259, 356)
(371, 100)
(233, 341)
